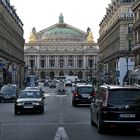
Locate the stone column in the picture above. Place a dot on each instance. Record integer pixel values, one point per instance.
(38, 62)
(56, 62)
(66, 62)
(84, 62)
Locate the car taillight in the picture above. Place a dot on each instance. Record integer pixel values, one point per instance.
(75, 94)
(93, 94)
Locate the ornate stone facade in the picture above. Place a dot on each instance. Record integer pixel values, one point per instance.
(136, 46)
(61, 50)
(11, 46)
(115, 42)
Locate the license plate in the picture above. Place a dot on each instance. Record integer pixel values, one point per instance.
(127, 115)
(7, 97)
(28, 106)
(85, 96)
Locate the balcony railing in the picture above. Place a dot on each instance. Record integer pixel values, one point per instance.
(136, 46)
(12, 11)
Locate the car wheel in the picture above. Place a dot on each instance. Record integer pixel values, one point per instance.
(91, 121)
(2, 101)
(42, 110)
(17, 112)
(74, 104)
(100, 126)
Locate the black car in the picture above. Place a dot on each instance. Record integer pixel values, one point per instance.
(116, 106)
(82, 94)
(29, 101)
(52, 84)
(8, 93)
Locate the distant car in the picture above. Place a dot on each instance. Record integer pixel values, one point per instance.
(29, 101)
(52, 84)
(82, 94)
(116, 106)
(8, 93)
(46, 83)
(68, 83)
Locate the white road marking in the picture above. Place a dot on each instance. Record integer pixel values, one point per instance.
(46, 95)
(61, 134)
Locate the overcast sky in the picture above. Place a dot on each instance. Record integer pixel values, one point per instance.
(44, 13)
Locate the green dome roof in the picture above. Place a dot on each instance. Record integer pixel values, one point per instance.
(62, 30)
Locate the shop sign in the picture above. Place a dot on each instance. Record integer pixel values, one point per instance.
(2, 65)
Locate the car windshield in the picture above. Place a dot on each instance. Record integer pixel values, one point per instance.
(8, 90)
(122, 96)
(85, 90)
(29, 94)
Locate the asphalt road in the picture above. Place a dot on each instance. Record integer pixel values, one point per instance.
(60, 121)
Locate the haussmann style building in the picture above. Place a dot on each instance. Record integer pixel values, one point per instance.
(11, 46)
(59, 50)
(136, 47)
(115, 43)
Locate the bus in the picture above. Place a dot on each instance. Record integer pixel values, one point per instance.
(31, 80)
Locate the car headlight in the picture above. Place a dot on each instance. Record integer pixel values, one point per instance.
(36, 103)
(19, 103)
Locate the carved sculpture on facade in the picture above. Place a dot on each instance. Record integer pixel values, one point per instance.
(32, 38)
(89, 38)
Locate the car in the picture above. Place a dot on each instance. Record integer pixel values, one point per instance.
(68, 83)
(82, 94)
(46, 83)
(29, 101)
(52, 84)
(115, 106)
(8, 93)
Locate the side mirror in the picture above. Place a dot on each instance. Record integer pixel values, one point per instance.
(92, 100)
(100, 102)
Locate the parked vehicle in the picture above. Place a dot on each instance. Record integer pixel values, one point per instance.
(116, 106)
(82, 94)
(8, 93)
(28, 101)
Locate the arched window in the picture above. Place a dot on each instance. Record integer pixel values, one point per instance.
(61, 73)
(80, 75)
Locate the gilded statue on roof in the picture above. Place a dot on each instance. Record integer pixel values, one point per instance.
(32, 38)
(89, 38)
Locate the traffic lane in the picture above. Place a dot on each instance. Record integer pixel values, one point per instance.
(58, 113)
(37, 127)
(47, 131)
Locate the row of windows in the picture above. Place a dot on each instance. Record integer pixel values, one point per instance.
(53, 57)
(61, 64)
(137, 36)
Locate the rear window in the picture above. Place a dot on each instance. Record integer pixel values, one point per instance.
(30, 94)
(85, 90)
(121, 96)
(8, 90)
